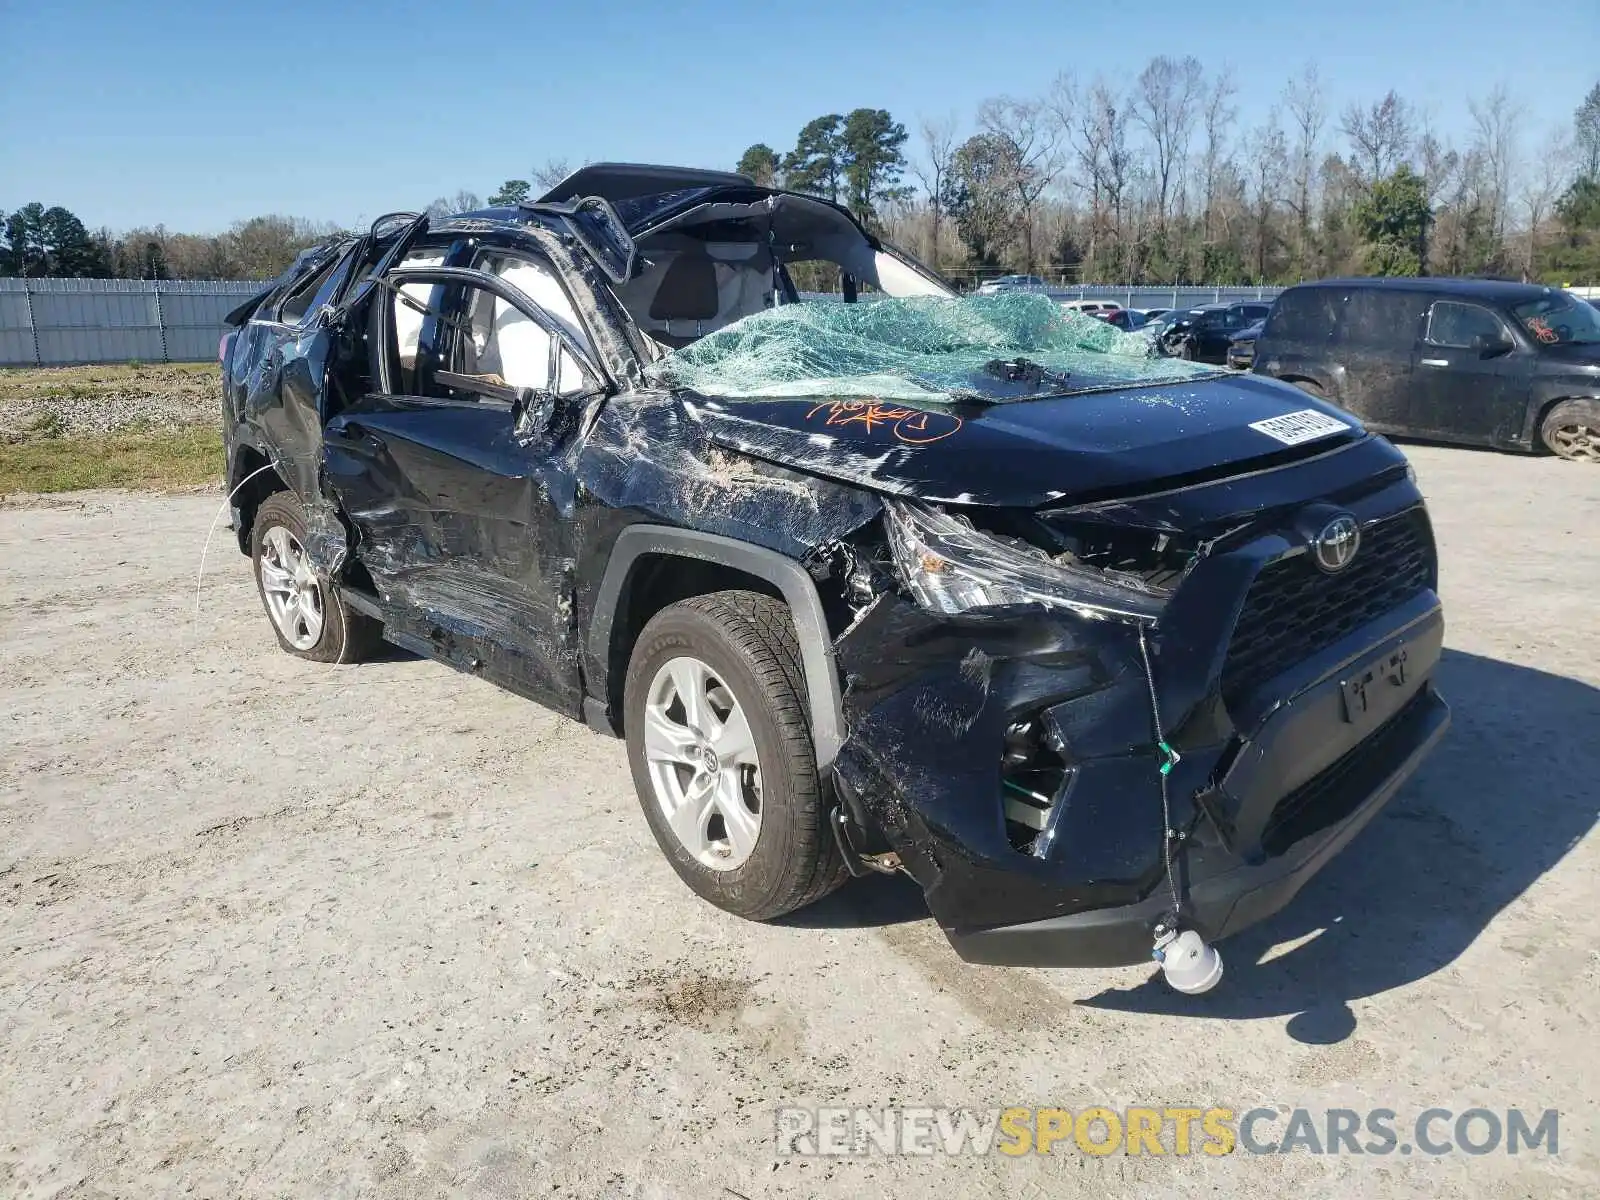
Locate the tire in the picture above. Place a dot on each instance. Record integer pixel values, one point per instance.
(1572, 430)
(1309, 388)
(277, 541)
(743, 644)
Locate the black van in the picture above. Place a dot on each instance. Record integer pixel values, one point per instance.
(1514, 365)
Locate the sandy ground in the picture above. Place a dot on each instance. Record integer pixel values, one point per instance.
(277, 929)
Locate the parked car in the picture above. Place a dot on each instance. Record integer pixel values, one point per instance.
(1474, 361)
(1203, 333)
(1154, 314)
(1125, 319)
(1011, 283)
(839, 633)
(1093, 308)
(1242, 346)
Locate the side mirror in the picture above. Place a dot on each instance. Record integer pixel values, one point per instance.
(531, 414)
(1492, 345)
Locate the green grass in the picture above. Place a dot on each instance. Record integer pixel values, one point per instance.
(167, 459)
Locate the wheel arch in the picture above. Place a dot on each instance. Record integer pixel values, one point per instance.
(631, 591)
(252, 477)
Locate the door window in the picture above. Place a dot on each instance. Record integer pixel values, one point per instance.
(307, 300)
(1451, 323)
(1381, 321)
(519, 344)
(478, 347)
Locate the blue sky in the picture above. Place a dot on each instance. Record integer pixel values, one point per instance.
(199, 114)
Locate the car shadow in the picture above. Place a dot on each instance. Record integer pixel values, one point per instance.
(1403, 440)
(1502, 800)
(868, 903)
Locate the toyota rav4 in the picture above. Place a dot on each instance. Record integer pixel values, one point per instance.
(1086, 641)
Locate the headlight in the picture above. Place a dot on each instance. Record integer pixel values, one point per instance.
(950, 567)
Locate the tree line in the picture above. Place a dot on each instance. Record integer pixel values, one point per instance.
(1155, 180)
(1152, 180)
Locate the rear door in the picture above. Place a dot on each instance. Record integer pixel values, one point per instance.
(455, 473)
(1377, 333)
(1462, 391)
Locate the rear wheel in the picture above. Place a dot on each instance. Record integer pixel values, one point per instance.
(1572, 430)
(309, 618)
(722, 756)
(1309, 388)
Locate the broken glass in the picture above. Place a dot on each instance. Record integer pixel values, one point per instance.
(922, 348)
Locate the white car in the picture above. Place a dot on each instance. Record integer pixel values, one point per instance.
(1093, 308)
(1012, 283)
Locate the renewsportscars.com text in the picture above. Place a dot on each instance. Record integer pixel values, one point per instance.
(1165, 1130)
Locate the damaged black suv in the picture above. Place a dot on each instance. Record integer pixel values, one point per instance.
(1084, 641)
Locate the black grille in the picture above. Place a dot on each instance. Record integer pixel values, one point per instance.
(1339, 788)
(1293, 610)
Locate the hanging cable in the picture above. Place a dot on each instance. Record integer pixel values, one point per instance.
(1170, 759)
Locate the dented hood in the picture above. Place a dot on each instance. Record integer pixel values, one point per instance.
(1032, 452)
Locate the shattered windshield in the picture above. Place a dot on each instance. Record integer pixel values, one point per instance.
(988, 348)
(1559, 319)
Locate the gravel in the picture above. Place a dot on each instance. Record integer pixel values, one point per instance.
(72, 401)
(277, 929)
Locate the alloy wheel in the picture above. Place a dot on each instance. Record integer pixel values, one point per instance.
(1577, 441)
(292, 591)
(703, 765)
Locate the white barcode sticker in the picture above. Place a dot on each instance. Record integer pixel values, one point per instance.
(1307, 425)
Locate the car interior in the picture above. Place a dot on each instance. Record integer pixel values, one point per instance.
(719, 261)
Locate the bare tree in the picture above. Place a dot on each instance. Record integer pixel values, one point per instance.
(938, 147)
(1307, 115)
(1494, 120)
(1381, 137)
(1164, 102)
(1029, 128)
(1099, 137)
(1220, 115)
(1548, 176)
(1269, 166)
(1438, 165)
(551, 172)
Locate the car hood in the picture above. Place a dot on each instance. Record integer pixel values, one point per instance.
(1027, 453)
(1573, 354)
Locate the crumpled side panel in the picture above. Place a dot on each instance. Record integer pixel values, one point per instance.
(927, 700)
(280, 398)
(645, 454)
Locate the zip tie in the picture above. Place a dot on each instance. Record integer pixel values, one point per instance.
(1173, 758)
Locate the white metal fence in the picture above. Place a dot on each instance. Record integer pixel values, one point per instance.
(51, 322)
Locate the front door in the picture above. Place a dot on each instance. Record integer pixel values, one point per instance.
(1468, 386)
(462, 508)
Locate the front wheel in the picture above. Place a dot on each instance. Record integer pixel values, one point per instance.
(722, 757)
(307, 614)
(1572, 430)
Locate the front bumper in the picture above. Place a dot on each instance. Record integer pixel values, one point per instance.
(1273, 780)
(1231, 898)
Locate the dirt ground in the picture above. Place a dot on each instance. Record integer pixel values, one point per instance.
(277, 929)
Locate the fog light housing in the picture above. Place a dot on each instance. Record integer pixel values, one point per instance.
(1033, 774)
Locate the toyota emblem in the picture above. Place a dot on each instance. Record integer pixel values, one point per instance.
(1335, 547)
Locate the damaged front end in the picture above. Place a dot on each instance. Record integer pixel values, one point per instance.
(1073, 727)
